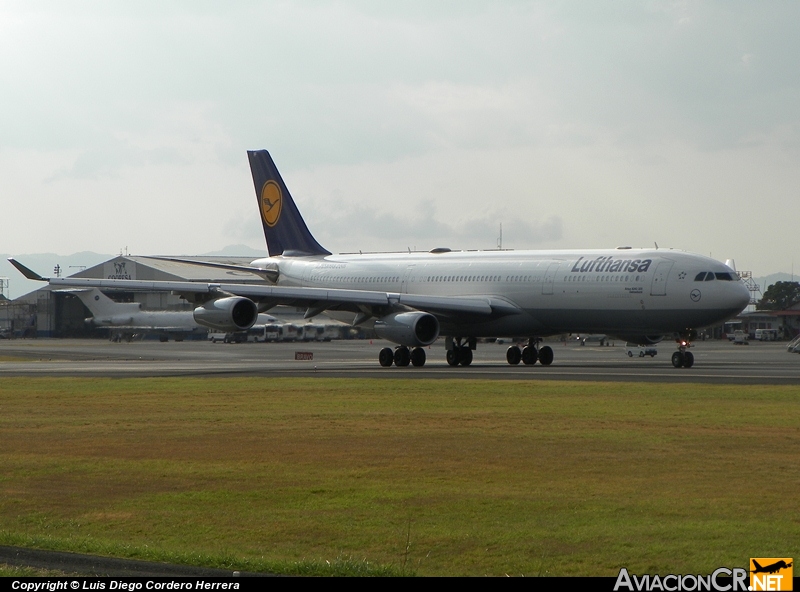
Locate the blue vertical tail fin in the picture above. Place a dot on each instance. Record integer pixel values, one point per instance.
(284, 228)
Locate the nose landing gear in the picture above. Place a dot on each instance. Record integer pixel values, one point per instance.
(683, 358)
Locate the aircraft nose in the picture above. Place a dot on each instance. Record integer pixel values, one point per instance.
(741, 296)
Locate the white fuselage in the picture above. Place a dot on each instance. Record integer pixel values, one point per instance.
(129, 315)
(149, 320)
(154, 320)
(626, 292)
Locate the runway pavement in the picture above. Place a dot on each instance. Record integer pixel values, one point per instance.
(715, 361)
(106, 567)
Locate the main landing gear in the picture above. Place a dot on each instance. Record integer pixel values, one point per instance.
(683, 358)
(530, 353)
(401, 356)
(460, 353)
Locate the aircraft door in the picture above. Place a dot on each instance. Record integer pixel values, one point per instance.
(407, 278)
(549, 278)
(659, 286)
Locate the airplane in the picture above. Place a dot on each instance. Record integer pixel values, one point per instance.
(127, 319)
(411, 299)
(771, 568)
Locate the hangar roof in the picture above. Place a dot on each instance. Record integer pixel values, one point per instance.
(155, 269)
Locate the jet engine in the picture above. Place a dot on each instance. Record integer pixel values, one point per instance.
(227, 314)
(641, 339)
(413, 329)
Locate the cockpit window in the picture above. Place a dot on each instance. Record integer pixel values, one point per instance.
(707, 276)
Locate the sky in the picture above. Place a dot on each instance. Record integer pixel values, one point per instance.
(124, 125)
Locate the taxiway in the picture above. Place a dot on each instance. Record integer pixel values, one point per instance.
(715, 361)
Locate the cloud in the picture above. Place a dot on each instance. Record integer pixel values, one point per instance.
(570, 124)
(419, 229)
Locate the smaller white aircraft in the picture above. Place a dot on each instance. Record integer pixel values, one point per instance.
(127, 318)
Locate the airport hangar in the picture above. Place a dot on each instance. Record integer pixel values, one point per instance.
(58, 313)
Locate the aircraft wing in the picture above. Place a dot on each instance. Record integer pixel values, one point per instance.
(317, 299)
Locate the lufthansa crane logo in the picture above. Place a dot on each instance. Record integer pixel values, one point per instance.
(271, 203)
(695, 295)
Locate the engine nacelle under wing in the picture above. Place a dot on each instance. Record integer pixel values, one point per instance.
(227, 314)
(641, 339)
(413, 329)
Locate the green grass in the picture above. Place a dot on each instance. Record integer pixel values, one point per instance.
(11, 571)
(434, 477)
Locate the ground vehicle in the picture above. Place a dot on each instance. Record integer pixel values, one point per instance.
(766, 334)
(599, 338)
(634, 349)
(794, 345)
(741, 338)
(234, 337)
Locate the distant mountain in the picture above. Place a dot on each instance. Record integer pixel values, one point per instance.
(766, 281)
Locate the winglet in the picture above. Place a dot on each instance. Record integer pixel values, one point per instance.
(28, 273)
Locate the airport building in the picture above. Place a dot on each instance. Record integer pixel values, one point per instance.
(784, 323)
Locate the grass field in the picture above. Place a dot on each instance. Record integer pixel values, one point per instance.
(433, 477)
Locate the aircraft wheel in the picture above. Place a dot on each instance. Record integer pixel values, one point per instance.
(417, 356)
(688, 360)
(513, 355)
(163, 338)
(386, 357)
(677, 359)
(529, 355)
(452, 356)
(465, 356)
(546, 355)
(401, 357)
